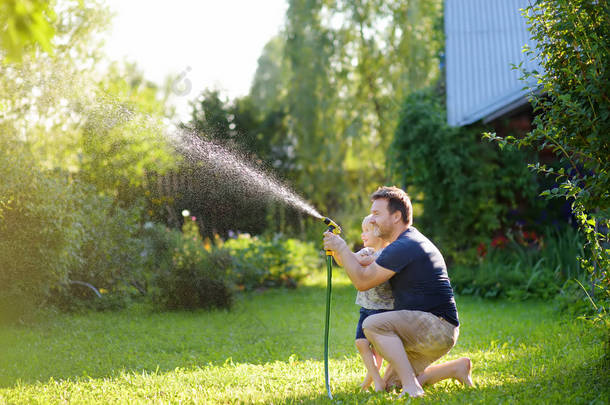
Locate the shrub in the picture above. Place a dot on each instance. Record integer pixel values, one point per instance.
(158, 243)
(275, 262)
(55, 230)
(109, 256)
(40, 230)
(466, 187)
(520, 269)
(190, 273)
(195, 278)
(570, 99)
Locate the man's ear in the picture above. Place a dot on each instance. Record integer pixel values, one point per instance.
(396, 217)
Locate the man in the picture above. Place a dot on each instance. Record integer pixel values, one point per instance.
(424, 325)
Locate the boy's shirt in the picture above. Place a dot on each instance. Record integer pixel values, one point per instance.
(379, 297)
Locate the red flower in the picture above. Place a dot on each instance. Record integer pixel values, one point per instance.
(499, 241)
(482, 249)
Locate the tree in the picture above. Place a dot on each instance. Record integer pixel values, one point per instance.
(25, 24)
(73, 148)
(350, 63)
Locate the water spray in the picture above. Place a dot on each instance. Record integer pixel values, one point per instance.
(336, 229)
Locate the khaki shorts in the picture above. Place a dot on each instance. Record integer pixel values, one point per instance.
(425, 336)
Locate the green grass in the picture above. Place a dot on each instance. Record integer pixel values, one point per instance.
(268, 349)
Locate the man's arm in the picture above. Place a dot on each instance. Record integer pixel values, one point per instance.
(363, 277)
(363, 256)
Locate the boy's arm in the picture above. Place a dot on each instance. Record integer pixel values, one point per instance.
(363, 256)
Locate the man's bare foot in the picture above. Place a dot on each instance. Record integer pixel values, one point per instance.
(463, 371)
(391, 380)
(413, 392)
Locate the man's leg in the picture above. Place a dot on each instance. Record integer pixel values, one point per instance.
(392, 349)
(458, 369)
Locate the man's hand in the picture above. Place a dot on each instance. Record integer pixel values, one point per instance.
(363, 276)
(334, 242)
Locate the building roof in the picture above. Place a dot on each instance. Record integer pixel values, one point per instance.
(483, 39)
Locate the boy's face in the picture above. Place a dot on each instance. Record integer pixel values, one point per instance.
(368, 235)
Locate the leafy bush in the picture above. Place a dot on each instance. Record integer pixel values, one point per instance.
(158, 243)
(109, 257)
(466, 187)
(55, 230)
(271, 262)
(190, 273)
(195, 278)
(40, 230)
(520, 269)
(572, 108)
(187, 273)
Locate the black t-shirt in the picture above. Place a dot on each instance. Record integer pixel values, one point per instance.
(421, 282)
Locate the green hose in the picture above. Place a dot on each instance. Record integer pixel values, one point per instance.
(336, 229)
(329, 275)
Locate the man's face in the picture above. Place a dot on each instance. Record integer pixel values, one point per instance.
(383, 222)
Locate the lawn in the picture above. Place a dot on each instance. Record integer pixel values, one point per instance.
(268, 349)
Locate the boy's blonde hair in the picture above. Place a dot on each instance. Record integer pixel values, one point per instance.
(366, 222)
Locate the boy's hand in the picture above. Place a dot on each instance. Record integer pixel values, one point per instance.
(365, 257)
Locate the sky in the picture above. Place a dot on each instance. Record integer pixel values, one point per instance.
(207, 43)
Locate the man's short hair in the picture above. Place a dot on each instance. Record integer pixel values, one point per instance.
(398, 200)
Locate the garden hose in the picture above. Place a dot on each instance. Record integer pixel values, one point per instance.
(334, 228)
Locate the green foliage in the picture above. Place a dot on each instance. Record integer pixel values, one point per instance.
(271, 262)
(109, 256)
(55, 230)
(573, 116)
(184, 274)
(40, 230)
(42, 96)
(123, 135)
(75, 150)
(196, 279)
(466, 187)
(518, 269)
(24, 24)
(225, 203)
(190, 272)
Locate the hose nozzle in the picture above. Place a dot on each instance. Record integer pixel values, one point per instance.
(332, 227)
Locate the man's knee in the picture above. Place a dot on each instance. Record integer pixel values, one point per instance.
(362, 344)
(367, 323)
(371, 324)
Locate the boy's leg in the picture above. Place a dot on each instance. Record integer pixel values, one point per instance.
(392, 349)
(368, 358)
(378, 358)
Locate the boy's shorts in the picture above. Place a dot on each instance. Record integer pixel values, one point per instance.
(364, 313)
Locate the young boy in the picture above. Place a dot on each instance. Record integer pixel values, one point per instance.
(377, 299)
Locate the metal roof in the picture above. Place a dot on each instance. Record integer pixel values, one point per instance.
(483, 39)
